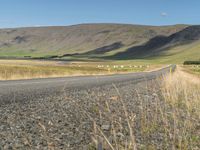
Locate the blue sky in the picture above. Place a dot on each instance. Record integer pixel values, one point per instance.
(20, 13)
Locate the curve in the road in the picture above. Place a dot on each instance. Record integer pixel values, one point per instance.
(24, 90)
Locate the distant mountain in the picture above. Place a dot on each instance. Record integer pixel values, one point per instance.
(92, 40)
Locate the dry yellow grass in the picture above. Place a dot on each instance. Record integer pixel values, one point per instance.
(182, 87)
(181, 91)
(143, 118)
(13, 72)
(168, 121)
(27, 69)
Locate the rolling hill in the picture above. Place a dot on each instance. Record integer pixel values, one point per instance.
(164, 44)
(178, 47)
(96, 39)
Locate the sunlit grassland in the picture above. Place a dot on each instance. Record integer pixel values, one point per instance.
(195, 69)
(26, 69)
(178, 54)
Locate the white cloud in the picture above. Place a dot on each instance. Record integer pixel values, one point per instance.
(164, 14)
(38, 25)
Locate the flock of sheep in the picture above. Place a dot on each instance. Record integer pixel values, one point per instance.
(121, 66)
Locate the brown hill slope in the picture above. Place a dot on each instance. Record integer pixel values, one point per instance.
(42, 41)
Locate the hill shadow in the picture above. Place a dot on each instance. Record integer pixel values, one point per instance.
(155, 46)
(105, 49)
(98, 51)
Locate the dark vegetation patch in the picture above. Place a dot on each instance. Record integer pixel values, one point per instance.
(192, 62)
(27, 56)
(66, 55)
(104, 32)
(19, 39)
(47, 57)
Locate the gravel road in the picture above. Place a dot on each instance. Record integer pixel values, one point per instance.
(23, 90)
(56, 113)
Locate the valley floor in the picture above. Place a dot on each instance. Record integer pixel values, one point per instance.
(29, 69)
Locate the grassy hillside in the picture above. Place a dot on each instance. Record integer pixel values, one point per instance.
(177, 55)
(106, 39)
(135, 43)
(176, 48)
(181, 53)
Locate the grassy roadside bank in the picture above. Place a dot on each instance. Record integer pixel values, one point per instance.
(181, 92)
(166, 119)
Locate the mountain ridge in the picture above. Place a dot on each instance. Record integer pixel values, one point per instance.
(103, 41)
(61, 40)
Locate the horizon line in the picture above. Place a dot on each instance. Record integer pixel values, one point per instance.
(40, 26)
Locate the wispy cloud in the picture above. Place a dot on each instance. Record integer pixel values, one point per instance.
(164, 14)
(38, 25)
(5, 21)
